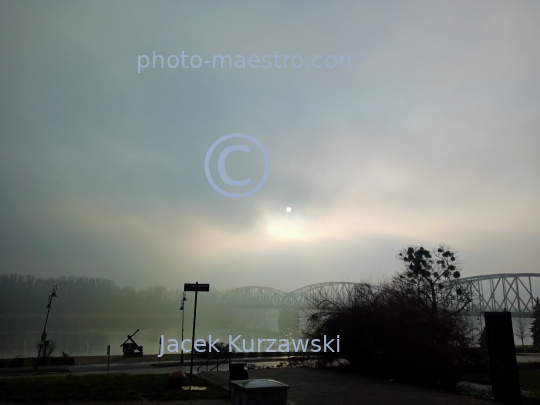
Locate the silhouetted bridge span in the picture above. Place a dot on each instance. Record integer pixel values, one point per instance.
(494, 292)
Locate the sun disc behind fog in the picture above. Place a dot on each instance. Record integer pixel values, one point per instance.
(288, 209)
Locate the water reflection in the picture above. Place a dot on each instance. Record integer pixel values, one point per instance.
(89, 336)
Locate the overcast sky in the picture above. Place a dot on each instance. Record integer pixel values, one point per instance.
(434, 138)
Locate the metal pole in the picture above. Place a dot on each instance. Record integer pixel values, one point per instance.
(193, 335)
(41, 344)
(182, 350)
(47, 317)
(38, 354)
(44, 334)
(183, 310)
(108, 357)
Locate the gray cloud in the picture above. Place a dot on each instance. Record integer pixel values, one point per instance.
(432, 140)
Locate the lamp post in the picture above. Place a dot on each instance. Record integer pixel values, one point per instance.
(44, 334)
(184, 299)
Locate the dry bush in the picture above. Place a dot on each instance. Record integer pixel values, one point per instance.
(386, 331)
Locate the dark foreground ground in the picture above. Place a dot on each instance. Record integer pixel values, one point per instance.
(307, 386)
(321, 386)
(331, 387)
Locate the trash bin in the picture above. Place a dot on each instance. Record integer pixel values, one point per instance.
(255, 392)
(237, 371)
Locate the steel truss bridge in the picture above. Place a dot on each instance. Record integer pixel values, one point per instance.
(494, 292)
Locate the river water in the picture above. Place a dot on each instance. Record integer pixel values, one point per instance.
(90, 335)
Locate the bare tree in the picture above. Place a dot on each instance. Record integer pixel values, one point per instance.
(432, 276)
(521, 330)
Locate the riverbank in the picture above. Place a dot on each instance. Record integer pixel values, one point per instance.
(134, 365)
(168, 358)
(146, 359)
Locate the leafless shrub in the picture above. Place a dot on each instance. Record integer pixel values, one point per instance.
(387, 331)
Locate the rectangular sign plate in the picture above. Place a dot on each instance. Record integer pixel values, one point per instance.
(196, 287)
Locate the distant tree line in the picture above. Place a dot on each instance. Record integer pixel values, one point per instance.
(27, 294)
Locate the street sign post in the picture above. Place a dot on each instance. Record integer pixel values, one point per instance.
(108, 357)
(194, 287)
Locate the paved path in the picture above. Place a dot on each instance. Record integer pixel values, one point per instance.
(187, 402)
(124, 368)
(331, 387)
(325, 387)
(309, 387)
(528, 358)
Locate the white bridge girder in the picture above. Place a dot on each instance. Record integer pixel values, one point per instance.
(494, 292)
(499, 292)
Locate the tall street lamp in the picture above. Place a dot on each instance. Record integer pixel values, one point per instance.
(184, 299)
(42, 343)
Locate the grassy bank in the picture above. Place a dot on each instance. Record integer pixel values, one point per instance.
(529, 379)
(31, 361)
(114, 387)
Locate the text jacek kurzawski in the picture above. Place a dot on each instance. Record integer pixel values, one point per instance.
(240, 345)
